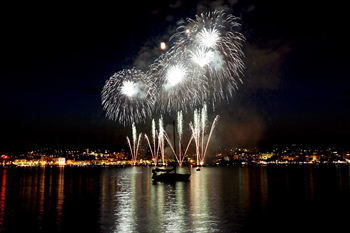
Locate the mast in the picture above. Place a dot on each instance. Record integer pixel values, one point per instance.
(174, 144)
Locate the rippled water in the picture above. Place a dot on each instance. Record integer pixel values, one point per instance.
(216, 199)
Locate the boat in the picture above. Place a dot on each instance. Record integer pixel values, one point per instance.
(169, 175)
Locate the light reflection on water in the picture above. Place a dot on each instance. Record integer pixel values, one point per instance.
(2, 199)
(216, 199)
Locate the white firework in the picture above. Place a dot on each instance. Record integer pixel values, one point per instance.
(129, 88)
(203, 65)
(213, 43)
(201, 56)
(208, 38)
(134, 146)
(128, 96)
(176, 75)
(181, 86)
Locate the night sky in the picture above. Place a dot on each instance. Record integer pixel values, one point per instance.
(56, 59)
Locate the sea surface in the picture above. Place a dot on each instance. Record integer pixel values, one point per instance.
(215, 199)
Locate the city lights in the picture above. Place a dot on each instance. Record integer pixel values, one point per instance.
(295, 155)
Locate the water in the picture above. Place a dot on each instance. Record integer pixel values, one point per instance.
(216, 199)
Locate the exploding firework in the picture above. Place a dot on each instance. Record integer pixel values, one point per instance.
(128, 96)
(203, 65)
(181, 86)
(212, 42)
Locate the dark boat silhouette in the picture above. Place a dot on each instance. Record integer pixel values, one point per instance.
(169, 175)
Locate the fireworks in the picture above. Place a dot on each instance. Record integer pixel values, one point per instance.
(181, 155)
(161, 139)
(134, 147)
(157, 151)
(154, 150)
(128, 96)
(180, 85)
(203, 65)
(208, 38)
(202, 56)
(198, 127)
(212, 43)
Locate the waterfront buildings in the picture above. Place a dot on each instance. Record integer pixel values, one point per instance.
(294, 154)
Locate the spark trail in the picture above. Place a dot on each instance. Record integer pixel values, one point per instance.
(154, 150)
(180, 156)
(161, 137)
(198, 127)
(134, 146)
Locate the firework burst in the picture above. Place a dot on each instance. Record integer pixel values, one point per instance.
(180, 84)
(212, 42)
(204, 65)
(128, 96)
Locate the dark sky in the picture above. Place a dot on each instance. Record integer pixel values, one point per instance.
(56, 59)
